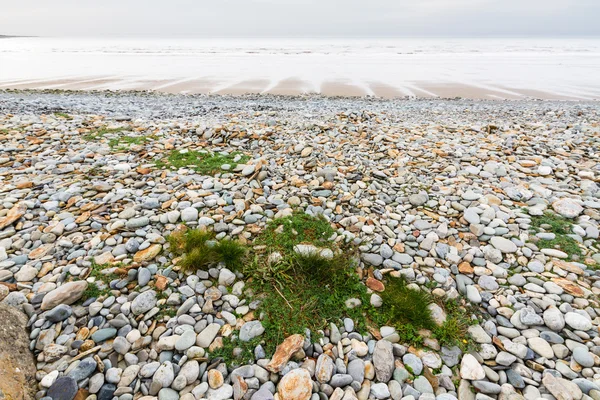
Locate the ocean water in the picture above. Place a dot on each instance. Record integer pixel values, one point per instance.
(479, 68)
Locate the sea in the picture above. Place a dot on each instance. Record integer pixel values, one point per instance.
(490, 68)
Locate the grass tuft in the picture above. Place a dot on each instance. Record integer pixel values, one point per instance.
(405, 305)
(199, 250)
(455, 331)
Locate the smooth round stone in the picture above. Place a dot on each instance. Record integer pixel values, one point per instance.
(186, 340)
(414, 362)
(59, 313)
(583, 357)
(577, 321)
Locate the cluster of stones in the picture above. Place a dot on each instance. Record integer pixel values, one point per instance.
(447, 206)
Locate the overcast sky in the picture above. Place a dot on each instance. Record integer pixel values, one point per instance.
(307, 18)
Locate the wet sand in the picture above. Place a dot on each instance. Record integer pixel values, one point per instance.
(295, 86)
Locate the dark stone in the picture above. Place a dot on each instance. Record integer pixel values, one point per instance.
(84, 369)
(59, 313)
(64, 388)
(106, 391)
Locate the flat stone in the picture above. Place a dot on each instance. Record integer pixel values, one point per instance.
(67, 293)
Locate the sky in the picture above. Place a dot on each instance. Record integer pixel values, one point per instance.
(299, 18)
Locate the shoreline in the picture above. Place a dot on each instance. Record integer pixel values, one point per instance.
(294, 87)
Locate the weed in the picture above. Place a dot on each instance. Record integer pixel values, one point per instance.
(284, 233)
(202, 162)
(124, 142)
(454, 332)
(308, 292)
(166, 311)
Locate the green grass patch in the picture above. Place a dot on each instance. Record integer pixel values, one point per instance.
(556, 223)
(199, 250)
(563, 243)
(200, 161)
(236, 353)
(308, 292)
(455, 331)
(124, 142)
(283, 234)
(63, 115)
(99, 133)
(100, 286)
(561, 227)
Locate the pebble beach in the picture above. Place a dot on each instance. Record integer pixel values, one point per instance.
(447, 193)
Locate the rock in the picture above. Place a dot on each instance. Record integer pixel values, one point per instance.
(554, 319)
(284, 352)
(59, 313)
(422, 385)
(186, 340)
(583, 357)
(568, 208)
(380, 391)
(17, 370)
(206, 337)
(67, 293)
(26, 274)
(417, 199)
(189, 214)
(504, 245)
(144, 302)
(64, 388)
(383, 360)
(13, 215)
(324, 368)
(470, 369)
(577, 321)
(250, 330)
(295, 385)
(84, 369)
(147, 254)
(561, 389)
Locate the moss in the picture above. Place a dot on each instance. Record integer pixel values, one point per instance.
(283, 234)
(200, 161)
